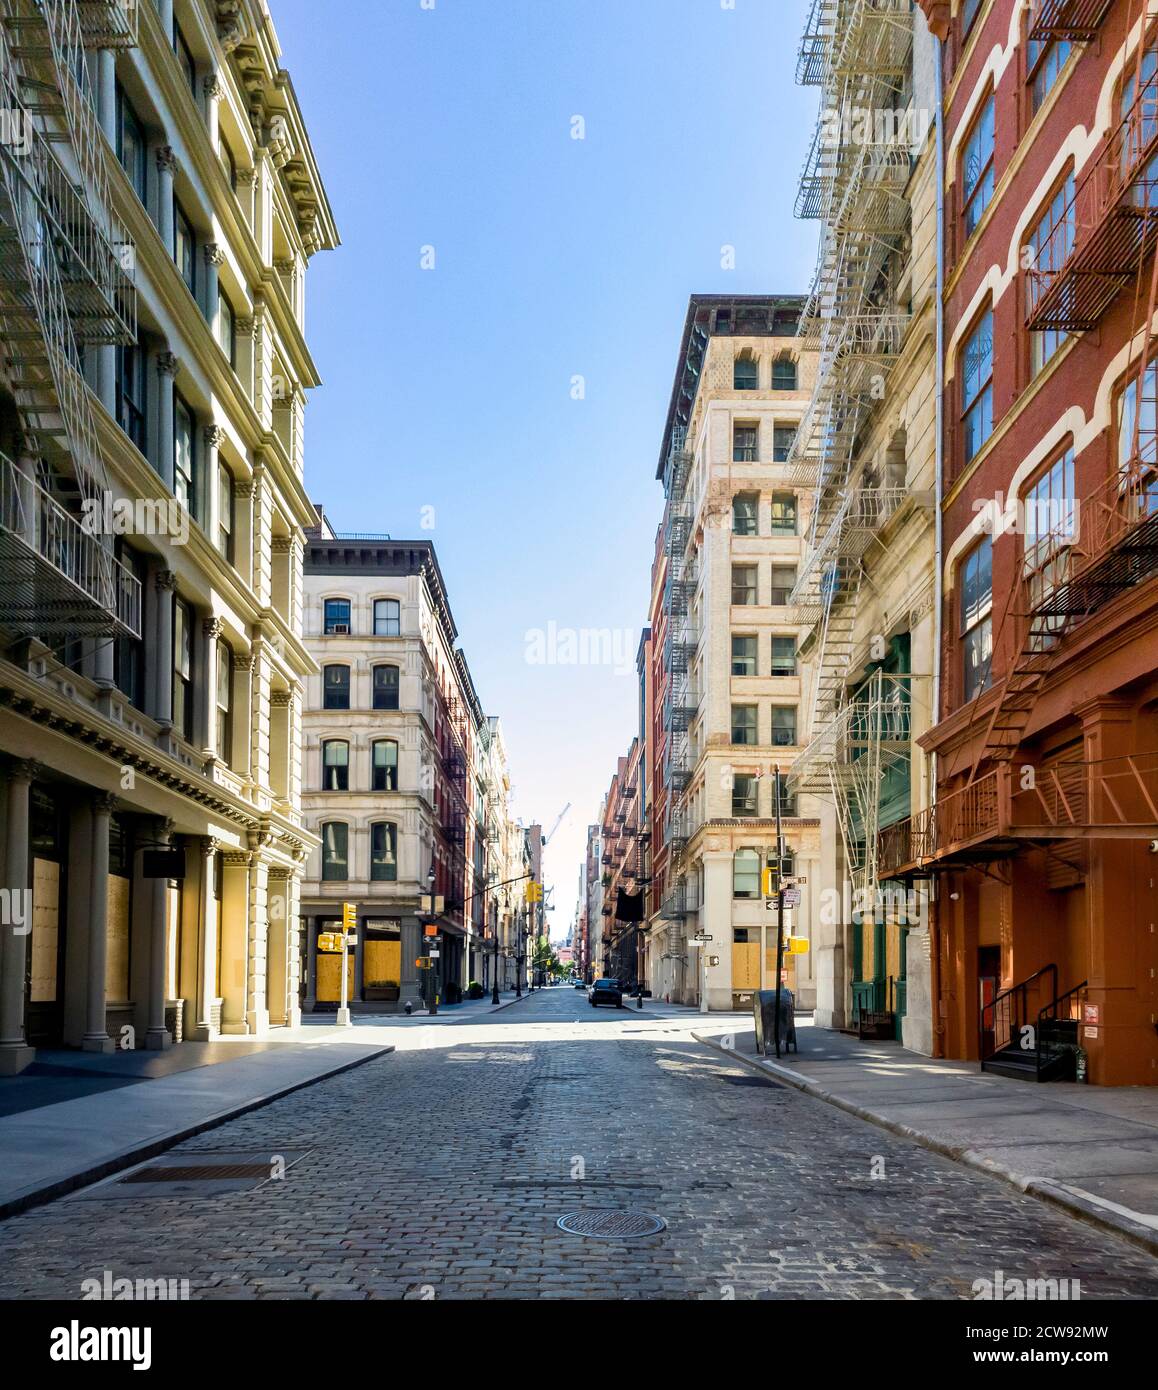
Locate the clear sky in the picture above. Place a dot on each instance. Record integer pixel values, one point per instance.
(449, 407)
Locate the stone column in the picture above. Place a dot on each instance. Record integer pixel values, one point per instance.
(244, 561)
(167, 369)
(165, 15)
(165, 583)
(210, 502)
(245, 187)
(206, 690)
(157, 1036)
(214, 258)
(15, 1054)
(166, 213)
(206, 1023)
(310, 965)
(214, 91)
(96, 1037)
(242, 762)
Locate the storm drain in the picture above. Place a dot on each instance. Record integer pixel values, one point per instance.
(611, 1225)
(204, 1173)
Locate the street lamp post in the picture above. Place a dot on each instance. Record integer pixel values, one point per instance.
(519, 955)
(432, 1005)
(495, 962)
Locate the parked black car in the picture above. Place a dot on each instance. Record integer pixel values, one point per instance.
(605, 992)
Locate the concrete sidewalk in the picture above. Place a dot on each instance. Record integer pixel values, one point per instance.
(1092, 1150)
(75, 1117)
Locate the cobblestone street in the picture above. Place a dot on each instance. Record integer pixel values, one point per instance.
(440, 1171)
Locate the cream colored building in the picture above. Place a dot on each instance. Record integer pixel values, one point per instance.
(406, 785)
(151, 521)
(736, 689)
(867, 451)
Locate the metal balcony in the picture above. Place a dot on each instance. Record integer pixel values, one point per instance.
(108, 23)
(57, 579)
(1067, 19)
(993, 817)
(1107, 230)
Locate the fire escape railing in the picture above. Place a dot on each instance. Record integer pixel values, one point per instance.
(1067, 19)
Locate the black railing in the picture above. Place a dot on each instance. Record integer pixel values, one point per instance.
(1003, 1018)
(1057, 1033)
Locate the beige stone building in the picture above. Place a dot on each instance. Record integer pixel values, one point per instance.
(867, 453)
(151, 520)
(734, 688)
(406, 783)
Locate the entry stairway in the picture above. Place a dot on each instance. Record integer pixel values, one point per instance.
(1030, 1032)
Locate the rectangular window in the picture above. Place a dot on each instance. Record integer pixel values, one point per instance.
(335, 765)
(783, 437)
(228, 164)
(1044, 62)
(784, 726)
(1050, 528)
(336, 687)
(743, 656)
(744, 585)
(977, 168)
(185, 248)
(335, 855)
(784, 374)
(977, 618)
(384, 852)
(129, 652)
(182, 668)
(384, 769)
(745, 443)
(746, 874)
(387, 617)
(130, 393)
(744, 724)
(783, 582)
(784, 656)
(226, 333)
(184, 456)
(385, 687)
(132, 146)
(224, 700)
(1147, 425)
(744, 786)
(787, 800)
(784, 514)
(745, 514)
(336, 617)
(225, 512)
(185, 59)
(1049, 247)
(977, 386)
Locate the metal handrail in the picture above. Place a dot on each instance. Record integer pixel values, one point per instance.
(1018, 992)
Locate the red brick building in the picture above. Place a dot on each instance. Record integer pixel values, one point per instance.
(1041, 842)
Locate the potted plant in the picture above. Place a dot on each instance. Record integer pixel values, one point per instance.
(474, 990)
(382, 991)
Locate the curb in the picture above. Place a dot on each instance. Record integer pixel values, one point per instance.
(1073, 1201)
(47, 1192)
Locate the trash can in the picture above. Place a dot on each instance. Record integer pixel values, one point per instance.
(764, 1010)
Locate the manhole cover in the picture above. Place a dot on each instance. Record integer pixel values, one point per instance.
(611, 1225)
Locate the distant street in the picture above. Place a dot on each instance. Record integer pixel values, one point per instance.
(440, 1171)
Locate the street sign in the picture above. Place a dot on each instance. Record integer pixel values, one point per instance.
(792, 897)
(701, 937)
(433, 955)
(713, 960)
(431, 929)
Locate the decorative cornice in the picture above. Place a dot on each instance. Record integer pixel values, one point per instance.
(23, 770)
(243, 487)
(231, 25)
(244, 327)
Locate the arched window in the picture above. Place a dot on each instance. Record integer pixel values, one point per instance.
(335, 855)
(384, 766)
(746, 373)
(336, 687)
(385, 687)
(336, 617)
(784, 374)
(335, 765)
(387, 617)
(746, 874)
(384, 852)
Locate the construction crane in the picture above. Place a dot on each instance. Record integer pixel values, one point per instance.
(558, 823)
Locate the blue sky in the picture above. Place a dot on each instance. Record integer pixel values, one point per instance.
(554, 258)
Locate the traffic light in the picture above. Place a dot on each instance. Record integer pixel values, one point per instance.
(534, 892)
(350, 917)
(771, 881)
(329, 941)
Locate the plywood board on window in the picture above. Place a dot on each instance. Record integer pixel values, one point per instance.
(329, 979)
(117, 962)
(382, 962)
(45, 930)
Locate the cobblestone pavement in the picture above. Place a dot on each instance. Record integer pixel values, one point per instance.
(440, 1172)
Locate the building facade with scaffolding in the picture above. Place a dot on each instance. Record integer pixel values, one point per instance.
(865, 455)
(1041, 841)
(159, 204)
(728, 684)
